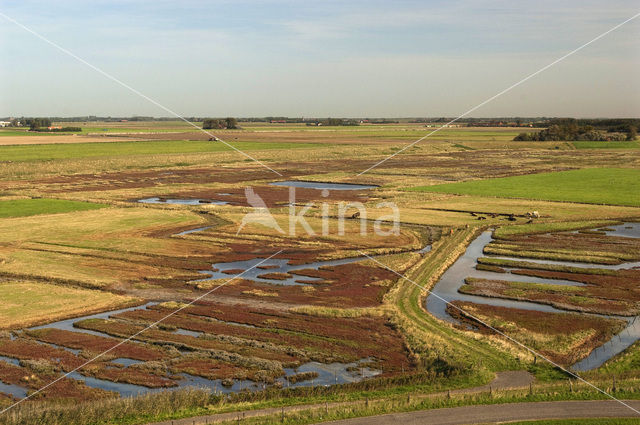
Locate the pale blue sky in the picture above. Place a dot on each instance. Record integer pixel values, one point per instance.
(320, 58)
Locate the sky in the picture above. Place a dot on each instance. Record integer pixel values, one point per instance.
(400, 58)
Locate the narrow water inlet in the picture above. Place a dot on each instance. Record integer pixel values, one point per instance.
(446, 290)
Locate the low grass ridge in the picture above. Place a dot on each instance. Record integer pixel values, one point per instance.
(611, 186)
(506, 232)
(29, 207)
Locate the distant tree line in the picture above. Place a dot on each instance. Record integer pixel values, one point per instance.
(335, 122)
(218, 124)
(592, 130)
(381, 121)
(44, 124)
(36, 123)
(57, 130)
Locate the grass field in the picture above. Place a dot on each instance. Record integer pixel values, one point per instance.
(27, 207)
(88, 150)
(606, 145)
(29, 303)
(612, 186)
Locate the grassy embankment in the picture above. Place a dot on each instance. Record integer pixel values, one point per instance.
(431, 341)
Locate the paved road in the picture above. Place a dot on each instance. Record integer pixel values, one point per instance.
(503, 413)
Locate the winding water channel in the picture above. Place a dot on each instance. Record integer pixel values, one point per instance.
(446, 290)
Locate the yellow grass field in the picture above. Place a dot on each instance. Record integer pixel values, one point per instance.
(27, 303)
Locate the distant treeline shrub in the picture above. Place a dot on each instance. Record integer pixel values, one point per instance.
(57, 130)
(219, 124)
(335, 122)
(588, 130)
(35, 123)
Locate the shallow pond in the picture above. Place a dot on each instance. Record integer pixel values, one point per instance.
(188, 232)
(323, 185)
(14, 390)
(67, 325)
(331, 374)
(188, 332)
(253, 272)
(125, 361)
(626, 230)
(181, 201)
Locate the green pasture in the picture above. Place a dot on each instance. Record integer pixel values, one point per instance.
(44, 152)
(28, 207)
(611, 186)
